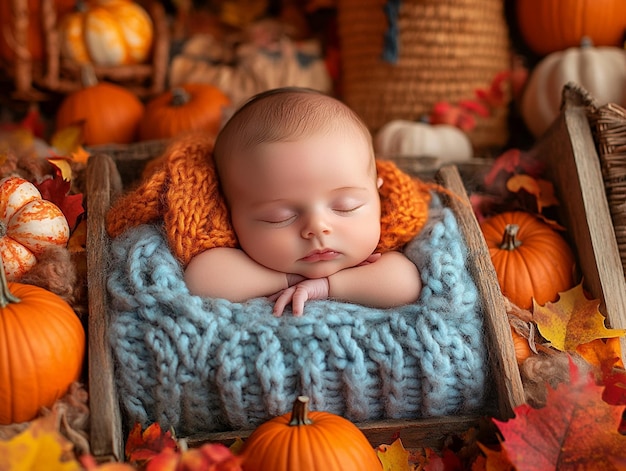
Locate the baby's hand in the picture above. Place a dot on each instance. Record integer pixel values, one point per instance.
(298, 294)
(371, 259)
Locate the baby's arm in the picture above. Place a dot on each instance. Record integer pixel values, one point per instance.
(387, 281)
(392, 280)
(230, 274)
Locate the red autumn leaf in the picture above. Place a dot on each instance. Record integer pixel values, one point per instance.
(494, 96)
(210, 456)
(475, 107)
(32, 122)
(615, 387)
(143, 446)
(506, 162)
(514, 161)
(56, 190)
(576, 429)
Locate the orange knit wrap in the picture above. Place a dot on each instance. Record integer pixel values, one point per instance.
(183, 191)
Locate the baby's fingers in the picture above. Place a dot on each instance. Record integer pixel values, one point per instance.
(282, 298)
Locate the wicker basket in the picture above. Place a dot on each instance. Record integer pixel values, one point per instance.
(400, 57)
(32, 78)
(609, 125)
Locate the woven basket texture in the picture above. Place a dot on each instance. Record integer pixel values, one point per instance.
(609, 125)
(400, 57)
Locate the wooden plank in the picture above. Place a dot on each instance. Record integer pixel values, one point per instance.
(573, 165)
(414, 433)
(505, 371)
(106, 435)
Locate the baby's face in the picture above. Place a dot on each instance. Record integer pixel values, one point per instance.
(309, 207)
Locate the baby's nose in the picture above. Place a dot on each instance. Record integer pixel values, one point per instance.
(315, 225)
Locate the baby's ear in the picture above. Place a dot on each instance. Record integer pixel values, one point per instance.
(379, 182)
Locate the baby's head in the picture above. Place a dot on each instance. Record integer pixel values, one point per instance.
(298, 173)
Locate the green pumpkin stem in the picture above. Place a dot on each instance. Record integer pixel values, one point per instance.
(180, 96)
(6, 297)
(509, 239)
(300, 412)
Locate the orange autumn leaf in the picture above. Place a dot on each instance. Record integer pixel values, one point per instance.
(602, 353)
(80, 155)
(542, 190)
(495, 460)
(40, 447)
(576, 429)
(142, 446)
(572, 320)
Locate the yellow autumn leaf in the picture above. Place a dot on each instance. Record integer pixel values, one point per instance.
(68, 139)
(64, 166)
(394, 457)
(38, 448)
(572, 320)
(236, 446)
(78, 240)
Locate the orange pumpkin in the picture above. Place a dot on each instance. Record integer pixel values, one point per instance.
(522, 347)
(554, 25)
(188, 107)
(107, 33)
(532, 260)
(303, 441)
(42, 343)
(34, 35)
(109, 113)
(28, 226)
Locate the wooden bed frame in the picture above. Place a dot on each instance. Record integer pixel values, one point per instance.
(573, 166)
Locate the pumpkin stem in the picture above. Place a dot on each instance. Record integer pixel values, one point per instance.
(180, 97)
(586, 42)
(300, 412)
(88, 76)
(6, 297)
(509, 239)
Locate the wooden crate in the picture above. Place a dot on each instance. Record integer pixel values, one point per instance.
(33, 79)
(107, 432)
(573, 165)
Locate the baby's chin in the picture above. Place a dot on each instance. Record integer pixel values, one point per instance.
(322, 270)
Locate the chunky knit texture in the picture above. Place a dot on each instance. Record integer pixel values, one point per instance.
(183, 191)
(208, 364)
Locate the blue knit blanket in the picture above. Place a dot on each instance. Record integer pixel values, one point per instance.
(201, 365)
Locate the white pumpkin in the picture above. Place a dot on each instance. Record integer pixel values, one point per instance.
(402, 138)
(28, 226)
(599, 70)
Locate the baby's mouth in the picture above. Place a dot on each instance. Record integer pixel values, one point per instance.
(321, 255)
